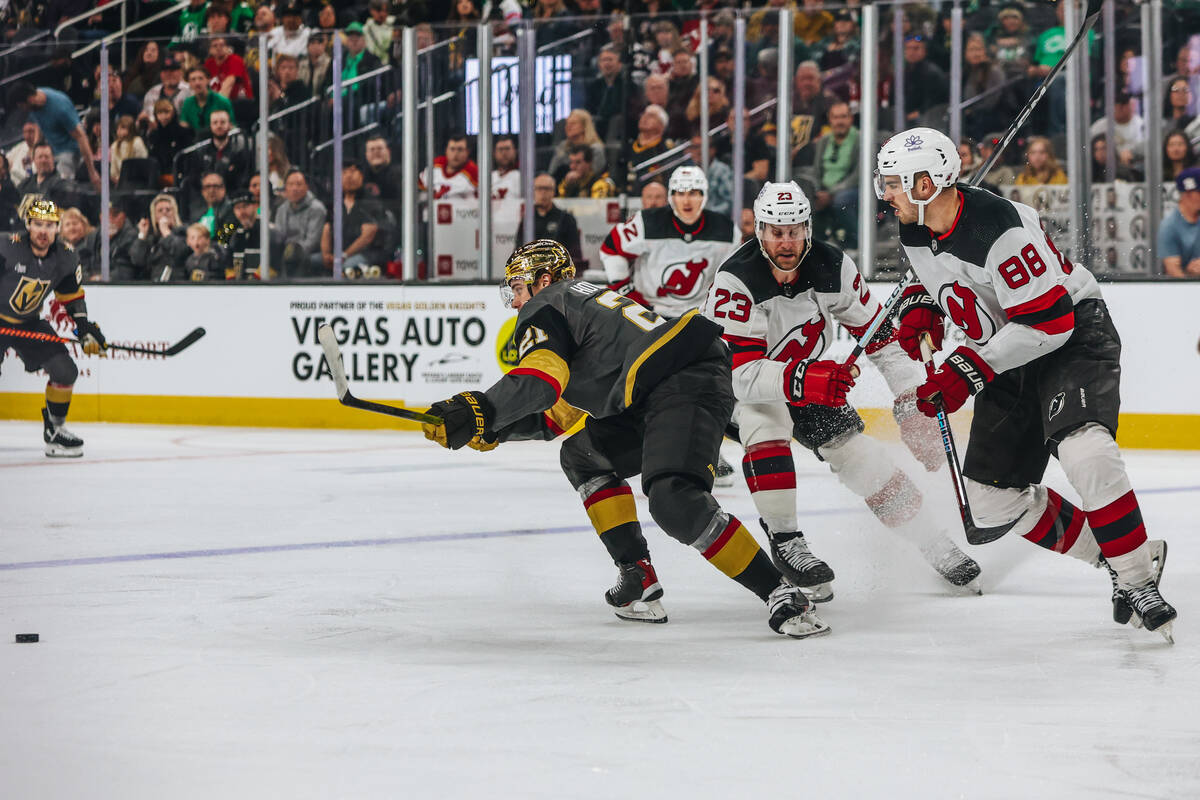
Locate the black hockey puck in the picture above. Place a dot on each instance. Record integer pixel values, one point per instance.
(26, 638)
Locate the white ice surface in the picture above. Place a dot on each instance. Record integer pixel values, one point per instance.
(487, 665)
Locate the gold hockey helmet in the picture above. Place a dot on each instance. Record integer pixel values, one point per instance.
(40, 208)
(529, 261)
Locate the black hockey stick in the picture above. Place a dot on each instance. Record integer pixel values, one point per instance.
(333, 356)
(1093, 14)
(174, 349)
(975, 534)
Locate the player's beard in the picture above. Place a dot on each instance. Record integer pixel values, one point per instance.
(40, 240)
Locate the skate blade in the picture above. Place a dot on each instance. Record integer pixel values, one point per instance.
(724, 481)
(642, 611)
(58, 451)
(821, 593)
(970, 588)
(805, 626)
(1167, 633)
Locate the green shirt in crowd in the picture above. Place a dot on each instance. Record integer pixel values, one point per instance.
(195, 116)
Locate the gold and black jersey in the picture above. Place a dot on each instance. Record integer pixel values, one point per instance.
(595, 349)
(26, 279)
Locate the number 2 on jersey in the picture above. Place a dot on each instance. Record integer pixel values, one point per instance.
(643, 317)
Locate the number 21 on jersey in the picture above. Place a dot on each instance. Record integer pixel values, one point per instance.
(644, 318)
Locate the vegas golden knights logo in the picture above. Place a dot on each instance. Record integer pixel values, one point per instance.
(28, 295)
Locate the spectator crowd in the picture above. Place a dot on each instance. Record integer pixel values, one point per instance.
(189, 199)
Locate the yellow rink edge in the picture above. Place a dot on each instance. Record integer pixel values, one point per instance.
(1152, 431)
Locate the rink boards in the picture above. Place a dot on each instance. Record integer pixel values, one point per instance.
(260, 363)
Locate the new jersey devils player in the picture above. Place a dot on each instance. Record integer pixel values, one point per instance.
(665, 258)
(1042, 359)
(778, 298)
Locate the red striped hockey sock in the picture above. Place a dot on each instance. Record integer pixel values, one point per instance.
(771, 477)
(1118, 526)
(1059, 526)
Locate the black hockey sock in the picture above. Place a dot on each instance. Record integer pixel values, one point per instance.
(610, 507)
(58, 401)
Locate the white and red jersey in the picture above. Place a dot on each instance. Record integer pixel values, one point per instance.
(1000, 279)
(769, 325)
(675, 263)
(462, 184)
(506, 186)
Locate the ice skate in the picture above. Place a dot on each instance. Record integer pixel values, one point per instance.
(637, 595)
(792, 557)
(60, 442)
(725, 476)
(1151, 610)
(792, 614)
(959, 569)
(1122, 611)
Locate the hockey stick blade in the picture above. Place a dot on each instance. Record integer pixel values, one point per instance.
(185, 342)
(333, 357)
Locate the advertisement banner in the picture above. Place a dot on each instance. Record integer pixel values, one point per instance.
(420, 344)
(260, 362)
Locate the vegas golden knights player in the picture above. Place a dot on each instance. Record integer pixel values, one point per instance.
(659, 396)
(30, 266)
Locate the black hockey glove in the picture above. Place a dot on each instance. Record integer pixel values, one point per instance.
(465, 416)
(89, 333)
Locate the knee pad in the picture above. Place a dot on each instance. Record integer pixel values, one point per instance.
(762, 422)
(580, 461)
(61, 370)
(992, 506)
(1092, 461)
(681, 507)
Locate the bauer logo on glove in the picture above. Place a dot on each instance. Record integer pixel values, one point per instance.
(465, 417)
(963, 375)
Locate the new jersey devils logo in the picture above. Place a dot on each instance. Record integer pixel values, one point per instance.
(964, 309)
(682, 279)
(802, 341)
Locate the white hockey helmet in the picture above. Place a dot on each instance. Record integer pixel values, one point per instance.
(686, 179)
(912, 152)
(782, 204)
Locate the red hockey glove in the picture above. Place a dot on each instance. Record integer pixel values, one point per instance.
(625, 289)
(917, 313)
(824, 383)
(963, 375)
(920, 434)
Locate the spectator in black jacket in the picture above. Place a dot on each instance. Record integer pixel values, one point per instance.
(167, 139)
(607, 93)
(9, 199)
(925, 85)
(45, 179)
(121, 237)
(161, 250)
(550, 221)
(228, 153)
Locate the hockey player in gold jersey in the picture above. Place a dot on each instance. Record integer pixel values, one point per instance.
(658, 395)
(30, 266)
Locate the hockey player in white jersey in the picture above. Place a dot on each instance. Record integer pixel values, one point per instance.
(1042, 360)
(665, 258)
(778, 298)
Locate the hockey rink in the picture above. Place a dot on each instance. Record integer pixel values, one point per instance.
(244, 613)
